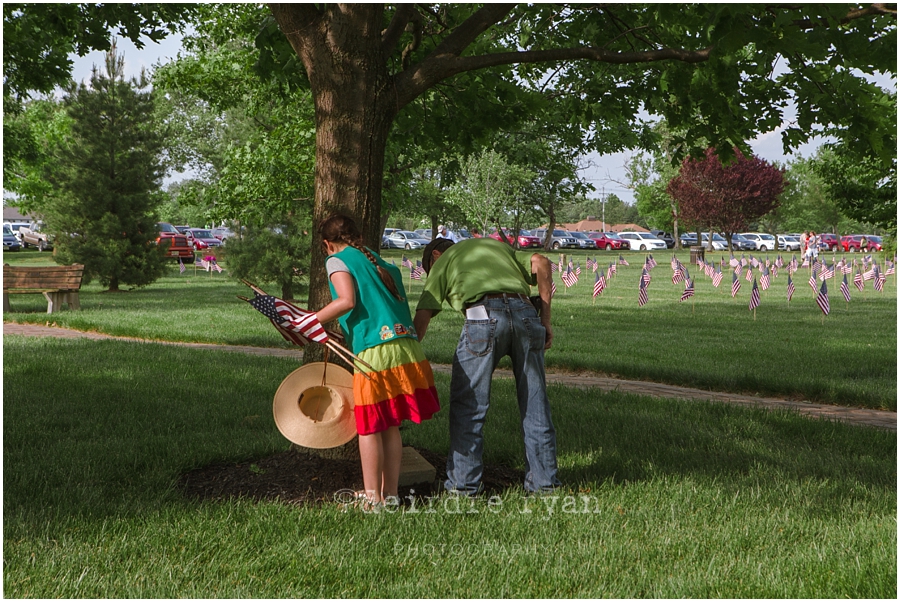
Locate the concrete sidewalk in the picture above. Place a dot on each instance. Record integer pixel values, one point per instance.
(863, 416)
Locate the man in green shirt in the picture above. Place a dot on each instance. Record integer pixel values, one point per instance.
(490, 283)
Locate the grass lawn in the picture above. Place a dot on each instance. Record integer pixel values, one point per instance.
(662, 498)
(711, 341)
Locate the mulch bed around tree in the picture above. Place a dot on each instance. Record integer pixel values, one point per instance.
(296, 477)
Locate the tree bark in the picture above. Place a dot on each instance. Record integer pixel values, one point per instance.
(341, 49)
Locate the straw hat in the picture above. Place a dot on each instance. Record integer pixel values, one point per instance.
(314, 406)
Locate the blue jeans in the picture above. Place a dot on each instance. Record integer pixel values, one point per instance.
(513, 329)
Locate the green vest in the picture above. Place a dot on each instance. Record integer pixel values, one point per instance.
(378, 316)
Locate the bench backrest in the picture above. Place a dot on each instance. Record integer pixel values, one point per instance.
(62, 277)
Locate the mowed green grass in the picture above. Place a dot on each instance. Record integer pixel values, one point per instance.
(661, 498)
(711, 341)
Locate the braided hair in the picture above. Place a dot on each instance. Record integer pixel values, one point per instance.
(342, 229)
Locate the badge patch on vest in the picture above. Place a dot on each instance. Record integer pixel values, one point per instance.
(387, 333)
(400, 329)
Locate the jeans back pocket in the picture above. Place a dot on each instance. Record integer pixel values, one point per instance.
(479, 336)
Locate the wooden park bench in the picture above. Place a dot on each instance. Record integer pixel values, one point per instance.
(59, 284)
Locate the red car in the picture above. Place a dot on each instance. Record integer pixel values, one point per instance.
(609, 241)
(852, 243)
(829, 241)
(524, 241)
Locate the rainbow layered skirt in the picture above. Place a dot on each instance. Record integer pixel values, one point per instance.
(401, 387)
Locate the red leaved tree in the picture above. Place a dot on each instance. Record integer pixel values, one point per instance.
(724, 198)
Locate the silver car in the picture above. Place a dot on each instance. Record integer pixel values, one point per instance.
(404, 239)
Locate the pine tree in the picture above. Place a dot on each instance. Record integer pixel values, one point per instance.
(108, 180)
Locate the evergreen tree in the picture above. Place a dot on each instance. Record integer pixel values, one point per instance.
(107, 180)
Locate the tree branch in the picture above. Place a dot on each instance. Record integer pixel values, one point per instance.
(391, 35)
(852, 15)
(434, 69)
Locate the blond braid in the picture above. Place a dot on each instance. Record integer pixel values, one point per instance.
(382, 272)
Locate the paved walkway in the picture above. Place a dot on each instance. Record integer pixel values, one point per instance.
(877, 418)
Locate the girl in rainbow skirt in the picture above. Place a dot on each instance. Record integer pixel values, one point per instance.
(370, 305)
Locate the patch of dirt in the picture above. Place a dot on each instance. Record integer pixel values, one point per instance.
(298, 477)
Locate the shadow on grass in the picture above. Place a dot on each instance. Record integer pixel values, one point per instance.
(100, 428)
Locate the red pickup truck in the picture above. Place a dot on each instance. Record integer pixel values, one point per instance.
(175, 243)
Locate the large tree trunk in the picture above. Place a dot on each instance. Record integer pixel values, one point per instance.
(354, 108)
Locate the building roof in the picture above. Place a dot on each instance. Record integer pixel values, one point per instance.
(11, 214)
(596, 225)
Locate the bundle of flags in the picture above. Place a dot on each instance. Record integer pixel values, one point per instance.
(599, 284)
(642, 291)
(688, 288)
(417, 272)
(569, 277)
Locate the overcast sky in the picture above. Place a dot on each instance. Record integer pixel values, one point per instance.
(606, 173)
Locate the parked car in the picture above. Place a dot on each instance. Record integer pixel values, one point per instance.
(584, 241)
(642, 241)
(741, 243)
(202, 239)
(827, 241)
(16, 227)
(609, 241)
(404, 239)
(559, 240)
(33, 236)
(787, 242)
(174, 244)
(764, 242)
(10, 242)
(182, 229)
(424, 233)
(223, 233)
(664, 236)
(524, 240)
(852, 243)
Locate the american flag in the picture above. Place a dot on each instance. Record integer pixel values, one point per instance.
(405, 262)
(749, 275)
(779, 262)
(181, 267)
(744, 261)
(554, 267)
(199, 261)
(805, 263)
(645, 276)
(688, 289)
(846, 268)
(717, 278)
(590, 264)
(417, 272)
(764, 279)
(812, 280)
(296, 325)
(822, 298)
(569, 277)
(651, 262)
(790, 288)
(678, 274)
(615, 269)
(869, 274)
(858, 280)
(708, 269)
(890, 268)
(735, 284)
(733, 262)
(642, 290)
(879, 280)
(774, 271)
(622, 261)
(845, 289)
(599, 284)
(754, 296)
(674, 262)
(827, 272)
(217, 267)
(577, 269)
(552, 289)
(754, 261)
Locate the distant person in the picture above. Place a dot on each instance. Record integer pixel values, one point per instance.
(369, 302)
(813, 246)
(804, 240)
(476, 233)
(443, 232)
(863, 244)
(490, 283)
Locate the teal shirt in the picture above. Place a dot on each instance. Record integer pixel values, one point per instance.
(470, 269)
(378, 316)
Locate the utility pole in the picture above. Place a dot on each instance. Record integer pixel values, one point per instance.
(603, 207)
